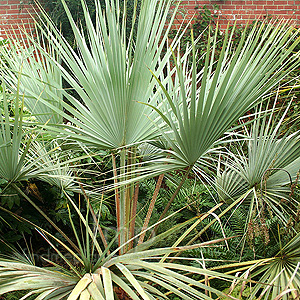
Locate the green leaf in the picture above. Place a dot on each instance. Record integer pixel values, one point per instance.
(79, 288)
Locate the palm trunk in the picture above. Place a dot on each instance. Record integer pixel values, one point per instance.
(133, 215)
(171, 200)
(117, 197)
(123, 212)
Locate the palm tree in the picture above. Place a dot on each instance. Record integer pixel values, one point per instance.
(276, 277)
(132, 94)
(263, 167)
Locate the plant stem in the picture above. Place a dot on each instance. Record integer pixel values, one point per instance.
(129, 194)
(171, 200)
(133, 215)
(117, 196)
(123, 207)
(134, 195)
(151, 207)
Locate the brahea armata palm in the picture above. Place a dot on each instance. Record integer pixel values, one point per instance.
(141, 102)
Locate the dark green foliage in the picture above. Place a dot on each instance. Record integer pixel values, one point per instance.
(57, 13)
(13, 230)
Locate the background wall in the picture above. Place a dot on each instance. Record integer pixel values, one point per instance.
(14, 13)
(244, 10)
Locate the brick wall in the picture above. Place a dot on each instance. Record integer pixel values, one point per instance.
(243, 11)
(15, 15)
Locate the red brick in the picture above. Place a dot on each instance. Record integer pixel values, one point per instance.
(14, 2)
(238, 2)
(292, 7)
(12, 13)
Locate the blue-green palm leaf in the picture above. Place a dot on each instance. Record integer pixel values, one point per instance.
(109, 73)
(200, 107)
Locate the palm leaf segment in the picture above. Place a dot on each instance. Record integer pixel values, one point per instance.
(136, 274)
(276, 277)
(271, 278)
(27, 71)
(46, 284)
(200, 107)
(11, 135)
(24, 155)
(99, 274)
(266, 168)
(109, 73)
(282, 272)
